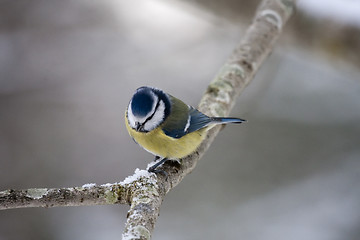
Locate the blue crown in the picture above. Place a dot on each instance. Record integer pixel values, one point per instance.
(142, 102)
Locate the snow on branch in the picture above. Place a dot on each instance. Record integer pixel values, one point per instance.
(86, 195)
(145, 191)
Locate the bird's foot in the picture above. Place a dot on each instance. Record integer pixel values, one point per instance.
(153, 167)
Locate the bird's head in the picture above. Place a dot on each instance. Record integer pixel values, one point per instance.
(148, 108)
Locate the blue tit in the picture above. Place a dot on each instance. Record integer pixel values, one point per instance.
(165, 126)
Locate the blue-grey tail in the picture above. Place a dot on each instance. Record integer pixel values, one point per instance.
(224, 120)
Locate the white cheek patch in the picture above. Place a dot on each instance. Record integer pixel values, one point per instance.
(157, 118)
(131, 117)
(155, 100)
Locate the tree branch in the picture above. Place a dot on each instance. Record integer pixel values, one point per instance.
(218, 100)
(87, 195)
(145, 191)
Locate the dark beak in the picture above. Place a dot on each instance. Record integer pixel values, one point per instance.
(139, 127)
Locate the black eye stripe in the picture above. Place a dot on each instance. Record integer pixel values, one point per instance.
(152, 115)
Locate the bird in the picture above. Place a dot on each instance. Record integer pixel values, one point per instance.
(166, 126)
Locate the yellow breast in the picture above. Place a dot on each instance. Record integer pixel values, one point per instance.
(159, 144)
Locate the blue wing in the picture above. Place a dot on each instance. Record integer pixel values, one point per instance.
(185, 119)
(189, 122)
(197, 120)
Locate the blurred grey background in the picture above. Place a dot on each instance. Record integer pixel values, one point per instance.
(68, 69)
